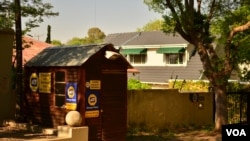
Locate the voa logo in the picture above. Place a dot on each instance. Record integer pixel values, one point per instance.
(236, 132)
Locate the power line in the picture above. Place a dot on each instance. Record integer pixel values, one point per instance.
(95, 13)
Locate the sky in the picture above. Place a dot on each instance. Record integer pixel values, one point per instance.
(76, 17)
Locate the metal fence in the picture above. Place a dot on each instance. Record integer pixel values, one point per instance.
(237, 107)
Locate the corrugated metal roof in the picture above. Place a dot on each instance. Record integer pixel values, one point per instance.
(144, 38)
(64, 56)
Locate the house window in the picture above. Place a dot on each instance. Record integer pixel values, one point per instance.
(60, 86)
(137, 58)
(135, 55)
(173, 55)
(176, 58)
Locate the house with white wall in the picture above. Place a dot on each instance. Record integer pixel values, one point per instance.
(158, 56)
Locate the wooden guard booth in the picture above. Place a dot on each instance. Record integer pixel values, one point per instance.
(91, 79)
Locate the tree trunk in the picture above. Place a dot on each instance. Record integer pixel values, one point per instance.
(221, 112)
(218, 79)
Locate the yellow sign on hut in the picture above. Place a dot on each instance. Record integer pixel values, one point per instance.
(45, 82)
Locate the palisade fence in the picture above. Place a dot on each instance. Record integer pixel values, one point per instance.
(237, 107)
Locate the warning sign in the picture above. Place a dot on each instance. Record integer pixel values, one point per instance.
(95, 84)
(45, 82)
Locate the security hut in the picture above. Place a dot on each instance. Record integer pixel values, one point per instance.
(91, 79)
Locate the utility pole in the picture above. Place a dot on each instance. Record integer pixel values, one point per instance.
(19, 56)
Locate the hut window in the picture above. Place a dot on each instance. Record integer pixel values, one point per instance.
(60, 88)
(60, 76)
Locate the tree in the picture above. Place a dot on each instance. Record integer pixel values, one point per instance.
(12, 11)
(194, 22)
(95, 35)
(155, 25)
(75, 41)
(48, 39)
(5, 17)
(32, 10)
(56, 43)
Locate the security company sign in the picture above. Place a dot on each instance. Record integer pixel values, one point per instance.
(71, 96)
(34, 82)
(92, 104)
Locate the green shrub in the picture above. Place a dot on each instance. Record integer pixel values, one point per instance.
(189, 85)
(134, 84)
(203, 86)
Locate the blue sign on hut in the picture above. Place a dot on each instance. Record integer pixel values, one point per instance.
(90, 79)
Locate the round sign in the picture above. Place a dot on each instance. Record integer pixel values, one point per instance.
(71, 92)
(92, 99)
(34, 82)
(87, 84)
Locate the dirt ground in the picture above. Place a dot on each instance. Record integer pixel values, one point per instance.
(197, 135)
(194, 135)
(12, 134)
(13, 131)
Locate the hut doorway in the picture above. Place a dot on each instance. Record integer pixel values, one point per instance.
(114, 104)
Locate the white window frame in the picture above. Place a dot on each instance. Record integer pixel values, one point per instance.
(181, 61)
(141, 60)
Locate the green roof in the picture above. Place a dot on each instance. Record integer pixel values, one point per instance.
(134, 51)
(171, 50)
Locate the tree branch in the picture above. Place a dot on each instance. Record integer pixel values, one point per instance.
(238, 29)
(227, 63)
(211, 12)
(180, 6)
(199, 6)
(178, 22)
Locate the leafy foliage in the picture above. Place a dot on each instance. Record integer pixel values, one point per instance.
(33, 11)
(136, 84)
(190, 85)
(95, 35)
(240, 43)
(75, 41)
(155, 25)
(204, 86)
(56, 43)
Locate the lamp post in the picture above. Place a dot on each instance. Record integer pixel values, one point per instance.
(19, 57)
